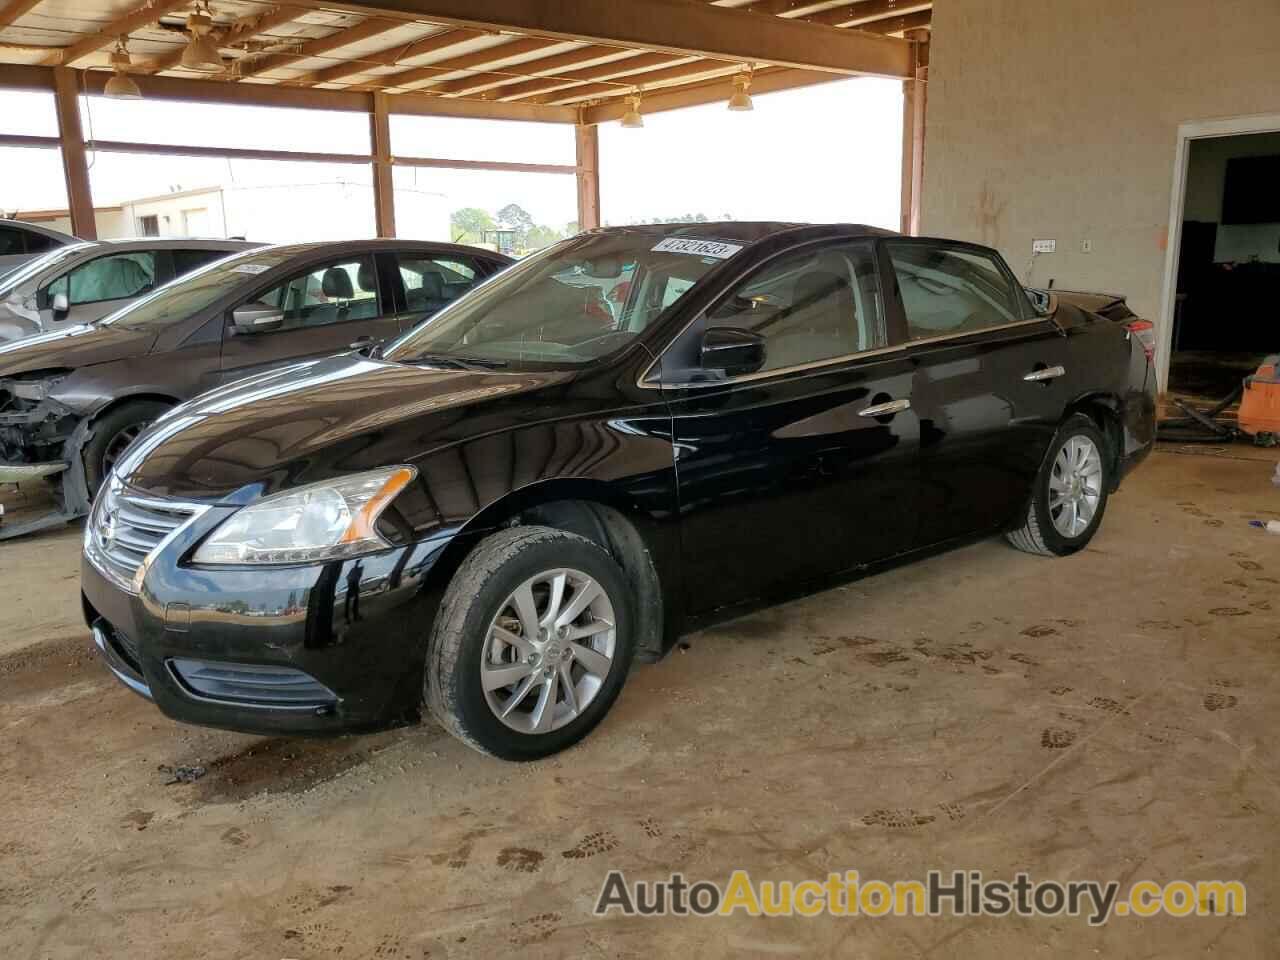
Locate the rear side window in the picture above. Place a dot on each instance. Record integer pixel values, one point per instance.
(39, 243)
(108, 278)
(184, 261)
(949, 290)
(11, 242)
(432, 283)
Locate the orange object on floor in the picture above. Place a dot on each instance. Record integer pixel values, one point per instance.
(1260, 405)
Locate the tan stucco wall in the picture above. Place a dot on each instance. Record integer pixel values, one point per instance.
(1058, 119)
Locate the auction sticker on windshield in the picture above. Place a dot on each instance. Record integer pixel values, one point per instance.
(253, 269)
(698, 248)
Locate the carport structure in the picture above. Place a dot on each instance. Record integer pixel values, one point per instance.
(576, 62)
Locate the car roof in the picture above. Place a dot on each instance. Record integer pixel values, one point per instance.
(747, 231)
(166, 243)
(383, 243)
(42, 230)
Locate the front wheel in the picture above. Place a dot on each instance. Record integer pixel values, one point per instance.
(1070, 494)
(113, 434)
(531, 644)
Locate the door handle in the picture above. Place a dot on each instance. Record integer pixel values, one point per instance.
(1048, 373)
(885, 409)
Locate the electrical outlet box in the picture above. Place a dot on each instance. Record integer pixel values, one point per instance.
(1086, 246)
(1044, 246)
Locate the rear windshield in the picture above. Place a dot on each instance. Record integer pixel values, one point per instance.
(190, 294)
(568, 305)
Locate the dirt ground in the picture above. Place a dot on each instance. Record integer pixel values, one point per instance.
(1108, 716)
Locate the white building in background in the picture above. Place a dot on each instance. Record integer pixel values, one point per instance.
(328, 210)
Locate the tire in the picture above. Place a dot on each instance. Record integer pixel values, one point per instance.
(1043, 531)
(465, 643)
(111, 437)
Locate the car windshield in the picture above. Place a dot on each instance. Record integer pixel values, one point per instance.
(190, 294)
(568, 305)
(24, 272)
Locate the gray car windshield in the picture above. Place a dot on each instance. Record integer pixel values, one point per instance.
(190, 294)
(32, 268)
(568, 305)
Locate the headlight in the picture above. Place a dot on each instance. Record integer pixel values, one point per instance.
(323, 521)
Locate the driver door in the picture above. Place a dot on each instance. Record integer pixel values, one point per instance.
(323, 310)
(99, 287)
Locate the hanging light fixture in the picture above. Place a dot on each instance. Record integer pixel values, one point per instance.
(632, 119)
(741, 99)
(120, 85)
(201, 53)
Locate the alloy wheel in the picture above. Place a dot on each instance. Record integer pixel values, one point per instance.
(1075, 486)
(119, 444)
(548, 651)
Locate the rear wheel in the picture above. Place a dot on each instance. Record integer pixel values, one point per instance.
(1070, 494)
(113, 433)
(531, 644)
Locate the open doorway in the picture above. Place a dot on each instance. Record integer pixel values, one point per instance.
(1221, 313)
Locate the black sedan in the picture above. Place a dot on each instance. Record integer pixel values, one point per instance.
(605, 445)
(72, 399)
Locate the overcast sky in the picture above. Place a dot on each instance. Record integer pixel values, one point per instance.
(825, 153)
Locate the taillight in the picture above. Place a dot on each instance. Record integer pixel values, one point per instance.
(1145, 332)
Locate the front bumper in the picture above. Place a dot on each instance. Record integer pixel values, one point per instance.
(26, 472)
(332, 648)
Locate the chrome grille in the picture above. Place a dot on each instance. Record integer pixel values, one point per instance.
(124, 529)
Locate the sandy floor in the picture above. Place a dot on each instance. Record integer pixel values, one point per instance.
(1110, 716)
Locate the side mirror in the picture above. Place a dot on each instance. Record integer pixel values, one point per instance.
(256, 318)
(733, 350)
(59, 304)
(367, 346)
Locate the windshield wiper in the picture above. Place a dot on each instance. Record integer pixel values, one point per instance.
(459, 363)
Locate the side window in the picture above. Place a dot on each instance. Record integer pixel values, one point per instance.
(334, 293)
(810, 306)
(39, 243)
(108, 278)
(184, 261)
(948, 290)
(432, 283)
(11, 242)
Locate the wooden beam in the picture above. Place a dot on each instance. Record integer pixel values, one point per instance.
(587, 143)
(674, 26)
(477, 82)
(709, 91)
(24, 76)
(219, 153)
(903, 24)
(384, 190)
(605, 71)
(143, 16)
(866, 11)
(914, 105)
(74, 166)
(623, 85)
(239, 30)
(15, 9)
(468, 61)
(364, 30)
(504, 166)
(25, 140)
(389, 56)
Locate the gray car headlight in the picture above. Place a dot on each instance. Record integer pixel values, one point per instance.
(323, 521)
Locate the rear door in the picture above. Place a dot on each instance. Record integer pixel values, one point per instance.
(789, 473)
(327, 307)
(991, 381)
(429, 282)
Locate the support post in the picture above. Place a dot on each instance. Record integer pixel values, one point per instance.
(384, 193)
(587, 138)
(915, 94)
(75, 168)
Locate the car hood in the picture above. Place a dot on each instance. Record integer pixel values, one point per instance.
(313, 421)
(72, 347)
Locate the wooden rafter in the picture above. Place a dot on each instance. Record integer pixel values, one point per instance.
(867, 11)
(909, 21)
(236, 32)
(605, 71)
(700, 69)
(389, 57)
(715, 90)
(469, 61)
(364, 30)
(15, 9)
(678, 27)
(476, 82)
(108, 35)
